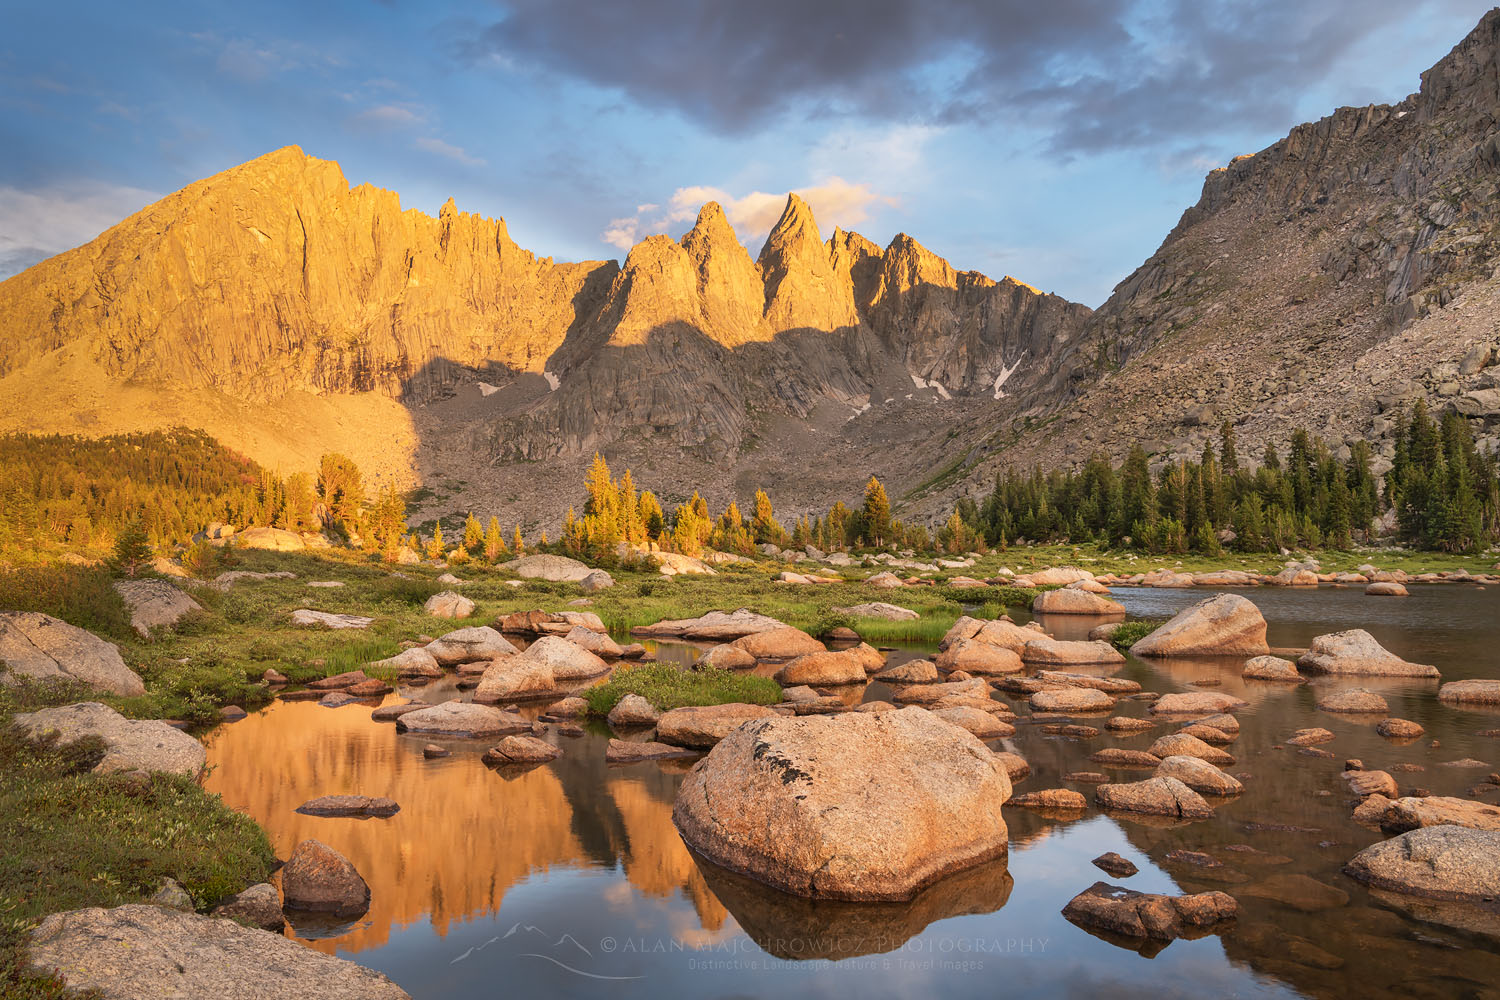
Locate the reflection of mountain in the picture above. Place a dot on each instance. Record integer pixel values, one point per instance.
(464, 834)
(798, 928)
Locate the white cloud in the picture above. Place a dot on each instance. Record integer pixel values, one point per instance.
(834, 202)
(389, 116)
(38, 223)
(440, 148)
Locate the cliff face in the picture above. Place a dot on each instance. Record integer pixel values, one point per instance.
(1321, 282)
(276, 280)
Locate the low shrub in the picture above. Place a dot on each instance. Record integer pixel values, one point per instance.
(667, 686)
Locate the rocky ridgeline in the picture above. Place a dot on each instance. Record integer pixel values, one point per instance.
(1322, 282)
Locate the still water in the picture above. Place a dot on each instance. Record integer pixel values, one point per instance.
(570, 880)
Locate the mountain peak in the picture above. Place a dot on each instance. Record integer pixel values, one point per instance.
(795, 233)
(1466, 76)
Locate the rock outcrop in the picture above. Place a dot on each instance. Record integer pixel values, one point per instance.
(129, 744)
(1356, 653)
(41, 647)
(143, 952)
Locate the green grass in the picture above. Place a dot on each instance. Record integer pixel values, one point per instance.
(70, 838)
(667, 686)
(1131, 632)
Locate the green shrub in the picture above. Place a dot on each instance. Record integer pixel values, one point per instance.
(80, 595)
(667, 686)
(1130, 633)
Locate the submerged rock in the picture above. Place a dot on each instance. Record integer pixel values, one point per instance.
(862, 806)
(143, 952)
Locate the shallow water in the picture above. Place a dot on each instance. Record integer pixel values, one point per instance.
(570, 880)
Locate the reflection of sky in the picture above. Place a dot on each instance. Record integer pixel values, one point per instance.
(1055, 142)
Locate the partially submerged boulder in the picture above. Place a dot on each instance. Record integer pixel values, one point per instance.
(779, 644)
(414, 662)
(319, 879)
(1159, 796)
(701, 727)
(258, 906)
(982, 658)
(1186, 745)
(144, 952)
(1271, 668)
(724, 657)
(1199, 775)
(130, 744)
(520, 750)
(1075, 602)
(1434, 810)
(1355, 652)
(1195, 703)
(1355, 701)
(462, 719)
(598, 643)
(469, 645)
(627, 752)
(349, 805)
(1061, 652)
(1071, 699)
(860, 806)
(1132, 914)
(1222, 625)
(716, 626)
(633, 710)
(1438, 862)
(1471, 692)
(40, 647)
(568, 661)
(824, 669)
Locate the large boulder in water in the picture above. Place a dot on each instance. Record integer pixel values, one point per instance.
(320, 879)
(145, 952)
(129, 744)
(862, 806)
(1222, 625)
(778, 644)
(41, 647)
(1075, 602)
(1133, 914)
(1440, 862)
(1355, 652)
(824, 669)
(469, 645)
(568, 661)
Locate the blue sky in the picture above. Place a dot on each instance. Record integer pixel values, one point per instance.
(1057, 143)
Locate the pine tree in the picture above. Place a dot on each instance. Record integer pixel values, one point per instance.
(132, 551)
(473, 534)
(494, 540)
(876, 514)
(435, 548)
(765, 528)
(516, 544)
(1228, 455)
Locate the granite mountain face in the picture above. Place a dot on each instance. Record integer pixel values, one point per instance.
(1323, 282)
(275, 283)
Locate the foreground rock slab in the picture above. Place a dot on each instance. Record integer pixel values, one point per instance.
(1117, 910)
(130, 744)
(43, 648)
(859, 806)
(141, 952)
(1438, 862)
(1222, 625)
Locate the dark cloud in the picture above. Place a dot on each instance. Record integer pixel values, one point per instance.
(1090, 74)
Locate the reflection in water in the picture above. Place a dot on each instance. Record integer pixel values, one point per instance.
(794, 927)
(481, 873)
